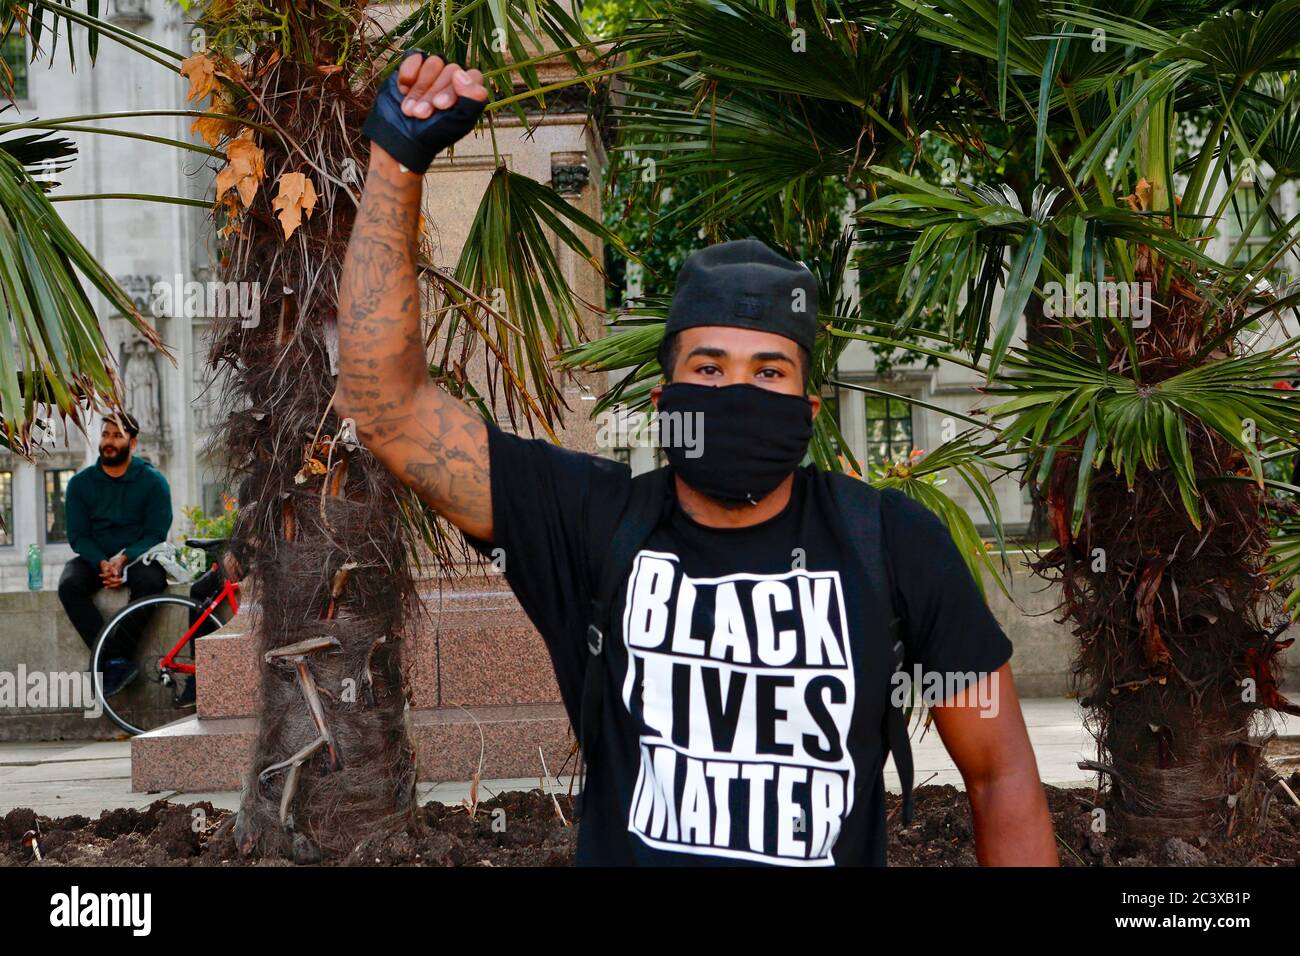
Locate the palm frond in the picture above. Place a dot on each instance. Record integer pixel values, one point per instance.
(516, 281)
(1056, 396)
(53, 354)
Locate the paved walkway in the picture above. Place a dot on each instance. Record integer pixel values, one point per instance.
(74, 777)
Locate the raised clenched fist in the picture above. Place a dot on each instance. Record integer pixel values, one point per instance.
(423, 107)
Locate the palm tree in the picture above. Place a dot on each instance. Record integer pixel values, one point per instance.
(279, 93)
(1135, 131)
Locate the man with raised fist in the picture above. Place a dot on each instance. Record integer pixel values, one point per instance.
(732, 634)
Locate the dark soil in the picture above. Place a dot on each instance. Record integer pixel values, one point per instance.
(513, 829)
(524, 829)
(941, 835)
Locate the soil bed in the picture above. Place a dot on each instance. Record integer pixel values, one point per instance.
(523, 829)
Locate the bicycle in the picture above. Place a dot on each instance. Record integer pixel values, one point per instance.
(151, 703)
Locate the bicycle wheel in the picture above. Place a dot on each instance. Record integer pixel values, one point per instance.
(149, 701)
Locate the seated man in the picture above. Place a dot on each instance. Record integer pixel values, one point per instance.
(116, 510)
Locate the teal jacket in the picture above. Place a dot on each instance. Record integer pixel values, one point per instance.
(107, 515)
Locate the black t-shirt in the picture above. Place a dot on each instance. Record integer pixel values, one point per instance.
(748, 728)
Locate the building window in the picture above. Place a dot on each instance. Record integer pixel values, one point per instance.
(56, 487)
(889, 429)
(14, 50)
(6, 508)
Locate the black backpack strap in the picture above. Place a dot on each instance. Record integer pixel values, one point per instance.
(859, 504)
(644, 508)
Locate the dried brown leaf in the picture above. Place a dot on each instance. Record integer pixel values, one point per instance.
(296, 196)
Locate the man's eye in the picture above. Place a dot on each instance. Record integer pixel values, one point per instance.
(771, 373)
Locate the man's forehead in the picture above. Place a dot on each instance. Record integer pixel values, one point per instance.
(728, 340)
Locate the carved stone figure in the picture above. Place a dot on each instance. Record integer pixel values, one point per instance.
(140, 379)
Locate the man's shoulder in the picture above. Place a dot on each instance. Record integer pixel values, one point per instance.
(907, 523)
(893, 502)
(83, 477)
(588, 490)
(145, 470)
(909, 526)
(604, 473)
(901, 508)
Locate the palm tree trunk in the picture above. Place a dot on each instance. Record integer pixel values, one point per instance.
(1176, 662)
(333, 763)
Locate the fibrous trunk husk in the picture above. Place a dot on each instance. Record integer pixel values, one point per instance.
(323, 531)
(1176, 625)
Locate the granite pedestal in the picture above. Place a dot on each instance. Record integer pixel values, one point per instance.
(481, 683)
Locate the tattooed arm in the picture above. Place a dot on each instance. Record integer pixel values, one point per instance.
(428, 439)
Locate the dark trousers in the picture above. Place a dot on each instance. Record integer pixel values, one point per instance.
(204, 589)
(77, 587)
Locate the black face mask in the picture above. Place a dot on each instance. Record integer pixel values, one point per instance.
(735, 443)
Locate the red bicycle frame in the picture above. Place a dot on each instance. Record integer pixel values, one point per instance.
(227, 593)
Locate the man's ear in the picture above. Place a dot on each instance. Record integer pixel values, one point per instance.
(654, 395)
(816, 402)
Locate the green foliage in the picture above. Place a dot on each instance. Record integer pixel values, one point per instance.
(611, 18)
(508, 252)
(199, 524)
(1058, 396)
(219, 525)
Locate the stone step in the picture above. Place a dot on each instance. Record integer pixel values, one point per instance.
(472, 647)
(201, 754)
